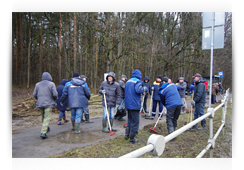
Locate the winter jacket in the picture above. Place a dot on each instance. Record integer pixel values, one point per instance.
(215, 89)
(200, 92)
(169, 95)
(45, 91)
(206, 84)
(60, 91)
(133, 91)
(77, 94)
(112, 91)
(147, 85)
(192, 87)
(87, 87)
(182, 90)
(156, 95)
(122, 88)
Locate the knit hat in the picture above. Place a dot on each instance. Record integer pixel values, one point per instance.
(83, 76)
(197, 75)
(76, 74)
(165, 79)
(181, 78)
(159, 76)
(124, 76)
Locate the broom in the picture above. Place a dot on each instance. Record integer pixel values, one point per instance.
(153, 129)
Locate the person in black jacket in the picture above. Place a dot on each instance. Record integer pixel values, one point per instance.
(199, 100)
(147, 84)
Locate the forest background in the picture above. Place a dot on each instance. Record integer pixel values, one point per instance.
(93, 43)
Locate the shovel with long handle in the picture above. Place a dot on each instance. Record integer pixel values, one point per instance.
(142, 103)
(150, 108)
(105, 102)
(153, 129)
(189, 117)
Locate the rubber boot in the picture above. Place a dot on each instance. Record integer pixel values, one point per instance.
(77, 131)
(104, 122)
(194, 127)
(127, 132)
(111, 123)
(182, 110)
(73, 124)
(87, 119)
(203, 125)
(132, 139)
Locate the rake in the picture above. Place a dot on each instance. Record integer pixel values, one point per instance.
(111, 132)
(153, 129)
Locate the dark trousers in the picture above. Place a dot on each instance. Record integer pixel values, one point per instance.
(172, 116)
(145, 103)
(213, 99)
(133, 121)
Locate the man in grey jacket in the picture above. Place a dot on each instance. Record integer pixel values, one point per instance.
(182, 92)
(45, 92)
(112, 91)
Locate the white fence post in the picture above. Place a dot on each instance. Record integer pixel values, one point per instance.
(211, 139)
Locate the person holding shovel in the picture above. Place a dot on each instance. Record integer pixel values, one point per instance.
(111, 89)
(133, 92)
(171, 99)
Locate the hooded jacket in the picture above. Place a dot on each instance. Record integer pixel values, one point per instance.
(112, 91)
(156, 95)
(122, 88)
(147, 85)
(200, 92)
(60, 91)
(133, 91)
(45, 91)
(169, 95)
(182, 90)
(76, 93)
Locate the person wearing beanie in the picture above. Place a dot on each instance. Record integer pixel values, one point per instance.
(146, 84)
(182, 92)
(156, 97)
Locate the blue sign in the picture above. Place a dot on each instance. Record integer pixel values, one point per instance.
(220, 73)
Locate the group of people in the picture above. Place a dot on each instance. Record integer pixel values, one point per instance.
(75, 93)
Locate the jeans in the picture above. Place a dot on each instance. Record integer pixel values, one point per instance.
(111, 111)
(61, 115)
(199, 111)
(76, 114)
(213, 99)
(133, 121)
(121, 100)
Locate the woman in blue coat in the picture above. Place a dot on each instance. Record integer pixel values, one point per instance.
(63, 108)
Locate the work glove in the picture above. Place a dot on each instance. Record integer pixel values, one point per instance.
(193, 103)
(145, 89)
(103, 92)
(152, 88)
(61, 103)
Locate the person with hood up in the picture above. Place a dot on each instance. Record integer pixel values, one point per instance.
(111, 89)
(45, 92)
(146, 84)
(63, 108)
(133, 92)
(182, 92)
(170, 98)
(156, 97)
(199, 100)
(78, 95)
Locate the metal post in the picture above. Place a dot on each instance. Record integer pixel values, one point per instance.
(223, 114)
(211, 63)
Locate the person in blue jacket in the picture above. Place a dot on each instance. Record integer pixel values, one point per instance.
(171, 99)
(192, 87)
(78, 95)
(156, 97)
(133, 91)
(63, 108)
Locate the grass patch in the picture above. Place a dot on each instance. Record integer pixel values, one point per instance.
(187, 145)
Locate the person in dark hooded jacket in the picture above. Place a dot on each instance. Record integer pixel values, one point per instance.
(133, 92)
(146, 84)
(78, 95)
(199, 100)
(45, 92)
(63, 108)
(111, 89)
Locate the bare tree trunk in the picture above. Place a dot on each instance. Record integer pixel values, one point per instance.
(17, 38)
(74, 42)
(59, 61)
(29, 44)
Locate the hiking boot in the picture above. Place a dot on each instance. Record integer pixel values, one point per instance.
(77, 131)
(194, 127)
(87, 119)
(127, 132)
(203, 125)
(104, 123)
(73, 125)
(43, 136)
(133, 140)
(111, 123)
(60, 123)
